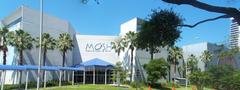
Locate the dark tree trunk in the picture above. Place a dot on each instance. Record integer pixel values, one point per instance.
(205, 66)
(4, 47)
(44, 61)
(151, 53)
(63, 59)
(20, 63)
(169, 74)
(183, 74)
(175, 67)
(132, 49)
(21, 57)
(63, 64)
(4, 56)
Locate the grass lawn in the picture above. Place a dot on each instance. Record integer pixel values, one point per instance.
(88, 87)
(104, 87)
(92, 87)
(189, 88)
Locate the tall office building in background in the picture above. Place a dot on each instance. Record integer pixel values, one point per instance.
(234, 34)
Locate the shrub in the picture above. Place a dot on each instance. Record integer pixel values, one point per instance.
(199, 79)
(137, 84)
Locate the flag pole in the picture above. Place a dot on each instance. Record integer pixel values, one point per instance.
(40, 44)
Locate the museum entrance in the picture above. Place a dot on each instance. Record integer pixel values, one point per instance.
(88, 77)
(94, 71)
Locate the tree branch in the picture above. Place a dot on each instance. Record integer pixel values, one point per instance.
(233, 12)
(203, 21)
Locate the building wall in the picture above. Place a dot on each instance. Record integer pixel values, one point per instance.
(197, 50)
(29, 22)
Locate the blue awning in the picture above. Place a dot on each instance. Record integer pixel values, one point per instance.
(70, 68)
(32, 67)
(12, 67)
(48, 68)
(96, 62)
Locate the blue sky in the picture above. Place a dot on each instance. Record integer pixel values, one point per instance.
(105, 18)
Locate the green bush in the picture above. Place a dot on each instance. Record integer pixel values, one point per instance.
(199, 79)
(137, 84)
(34, 84)
(224, 78)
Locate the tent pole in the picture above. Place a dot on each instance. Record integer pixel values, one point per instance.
(60, 78)
(19, 84)
(45, 79)
(26, 85)
(3, 79)
(72, 77)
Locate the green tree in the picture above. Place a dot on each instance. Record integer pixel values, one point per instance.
(224, 77)
(4, 39)
(159, 31)
(175, 54)
(21, 41)
(192, 63)
(228, 57)
(130, 39)
(181, 70)
(121, 73)
(156, 69)
(119, 45)
(64, 43)
(198, 78)
(48, 43)
(206, 57)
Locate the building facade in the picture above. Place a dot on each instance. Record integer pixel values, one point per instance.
(86, 47)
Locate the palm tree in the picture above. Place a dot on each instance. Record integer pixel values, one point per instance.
(64, 43)
(48, 43)
(130, 39)
(21, 41)
(118, 45)
(4, 38)
(206, 57)
(228, 57)
(192, 62)
(175, 54)
(169, 61)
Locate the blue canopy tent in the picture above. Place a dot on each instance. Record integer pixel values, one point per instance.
(93, 65)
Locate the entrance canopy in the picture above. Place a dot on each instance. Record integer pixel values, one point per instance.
(95, 63)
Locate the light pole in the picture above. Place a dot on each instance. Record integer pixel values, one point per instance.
(40, 43)
(186, 82)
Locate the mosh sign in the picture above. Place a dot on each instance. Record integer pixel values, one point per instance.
(98, 47)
